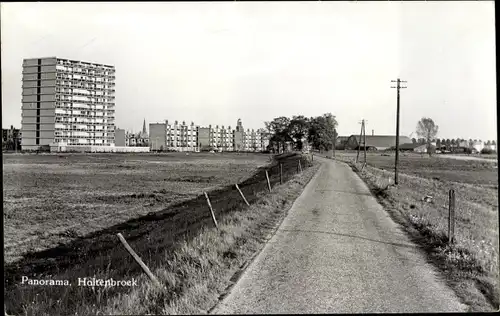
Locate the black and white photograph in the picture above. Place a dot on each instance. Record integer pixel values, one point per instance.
(259, 157)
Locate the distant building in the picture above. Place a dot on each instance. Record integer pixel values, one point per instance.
(221, 139)
(265, 137)
(415, 147)
(252, 141)
(130, 139)
(120, 137)
(158, 136)
(182, 137)
(204, 139)
(140, 139)
(226, 139)
(11, 138)
(491, 145)
(173, 137)
(341, 142)
(380, 142)
(477, 145)
(239, 137)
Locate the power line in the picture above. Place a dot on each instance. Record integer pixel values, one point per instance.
(397, 87)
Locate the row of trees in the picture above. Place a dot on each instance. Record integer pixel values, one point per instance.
(319, 131)
(427, 131)
(450, 143)
(11, 144)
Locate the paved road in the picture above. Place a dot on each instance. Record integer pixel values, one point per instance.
(338, 252)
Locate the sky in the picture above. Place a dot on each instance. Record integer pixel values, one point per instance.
(215, 62)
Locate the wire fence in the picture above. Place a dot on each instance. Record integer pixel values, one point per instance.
(228, 198)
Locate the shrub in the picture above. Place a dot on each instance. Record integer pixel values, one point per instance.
(488, 151)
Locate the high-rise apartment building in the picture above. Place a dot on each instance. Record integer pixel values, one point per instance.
(67, 102)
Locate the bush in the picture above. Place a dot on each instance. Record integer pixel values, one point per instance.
(488, 151)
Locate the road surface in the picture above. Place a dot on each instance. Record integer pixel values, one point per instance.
(338, 251)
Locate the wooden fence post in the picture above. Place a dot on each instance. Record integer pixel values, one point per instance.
(451, 217)
(242, 195)
(300, 166)
(281, 173)
(138, 260)
(211, 210)
(268, 182)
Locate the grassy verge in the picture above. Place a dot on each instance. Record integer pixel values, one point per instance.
(471, 264)
(201, 270)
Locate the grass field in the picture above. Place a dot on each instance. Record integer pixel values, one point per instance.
(483, 173)
(51, 199)
(73, 206)
(471, 264)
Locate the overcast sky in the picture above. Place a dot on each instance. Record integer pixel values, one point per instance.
(213, 63)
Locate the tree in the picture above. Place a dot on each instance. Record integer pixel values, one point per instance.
(280, 133)
(438, 143)
(298, 128)
(321, 132)
(427, 129)
(414, 140)
(254, 146)
(471, 143)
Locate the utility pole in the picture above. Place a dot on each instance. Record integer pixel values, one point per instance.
(334, 142)
(398, 86)
(362, 140)
(359, 143)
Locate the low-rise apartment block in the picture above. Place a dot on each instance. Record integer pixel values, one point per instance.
(183, 137)
(173, 137)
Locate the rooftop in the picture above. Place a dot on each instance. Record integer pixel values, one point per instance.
(383, 140)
